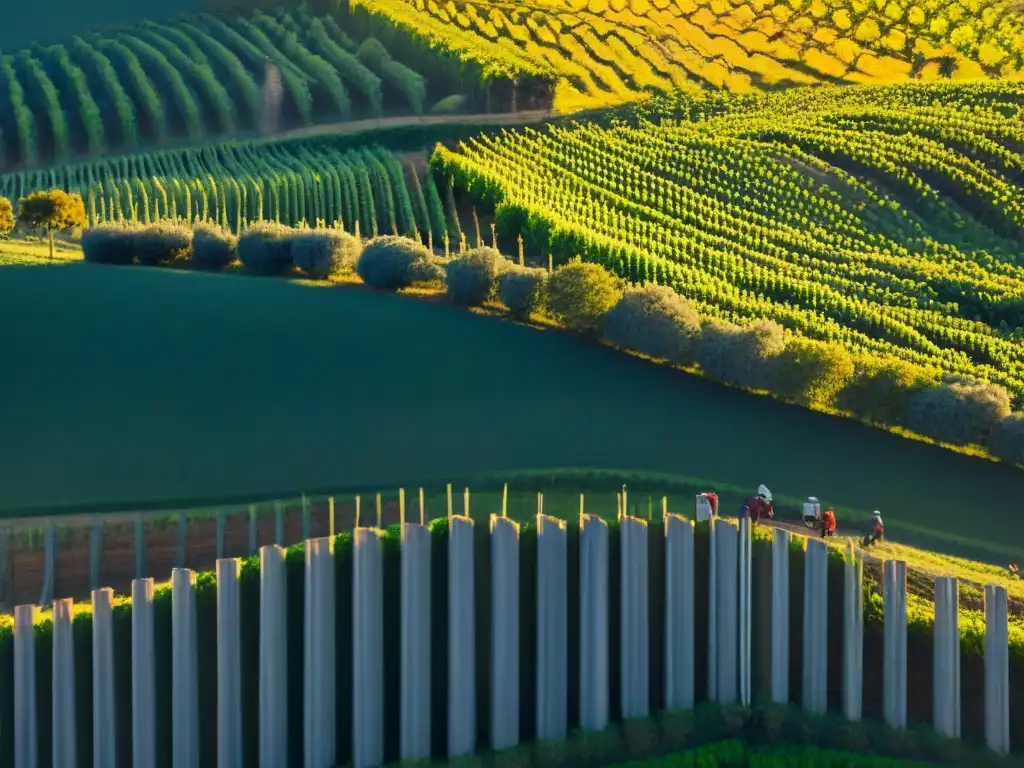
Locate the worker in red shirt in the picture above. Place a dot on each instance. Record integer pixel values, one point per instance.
(828, 523)
(758, 506)
(712, 498)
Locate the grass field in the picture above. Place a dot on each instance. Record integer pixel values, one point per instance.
(154, 385)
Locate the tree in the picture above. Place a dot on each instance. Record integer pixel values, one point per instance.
(54, 211)
(6, 217)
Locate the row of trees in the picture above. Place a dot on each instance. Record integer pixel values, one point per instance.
(651, 320)
(198, 77)
(754, 227)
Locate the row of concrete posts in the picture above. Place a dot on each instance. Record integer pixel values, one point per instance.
(729, 652)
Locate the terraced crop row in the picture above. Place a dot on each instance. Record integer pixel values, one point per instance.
(609, 51)
(237, 184)
(202, 77)
(870, 217)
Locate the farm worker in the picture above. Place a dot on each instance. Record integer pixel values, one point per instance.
(878, 529)
(828, 523)
(758, 505)
(712, 498)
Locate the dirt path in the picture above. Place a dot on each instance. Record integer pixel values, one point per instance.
(408, 121)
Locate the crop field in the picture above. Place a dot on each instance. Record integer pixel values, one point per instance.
(233, 184)
(221, 385)
(889, 220)
(204, 76)
(609, 51)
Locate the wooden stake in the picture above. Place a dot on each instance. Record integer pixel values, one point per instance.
(357, 512)
(504, 501)
(664, 508)
(330, 516)
(494, 236)
(378, 510)
(401, 507)
(465, 503)
(449, 502)
(423, 509)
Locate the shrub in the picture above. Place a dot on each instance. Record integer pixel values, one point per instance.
(881, 390)
(391, 262)
(163, 243)
(449, 105)
(472, 278)
(523, 290)
(1007, 440)
(6, 217)
(958, 411)
(656, 321)
(428, 270)
(265, 248)
(812, 372)
(580, 293)
(113, 243)
(213, 247)
(324, 252)
(741, 355)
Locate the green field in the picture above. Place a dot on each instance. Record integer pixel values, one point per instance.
(131, 385)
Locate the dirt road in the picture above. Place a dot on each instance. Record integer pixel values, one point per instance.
(409, 121)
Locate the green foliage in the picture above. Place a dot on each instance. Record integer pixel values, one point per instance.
(744, 356)
(449, 105)
(213, 247)
(388, 262)
(324, 252)
(880, 390)
(472, 279)
(959, 411)
(265, 248)
(429, 270)
(1007, 439)
(54, 210)
(163, 243)
(113, 243)
(656, 321)
(523, 290)
(580, 293)
(812, 372)
(6, 217)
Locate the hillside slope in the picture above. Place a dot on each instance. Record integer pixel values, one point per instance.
(890, 220)
(610, 51)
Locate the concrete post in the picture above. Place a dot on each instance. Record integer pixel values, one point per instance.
(552, 629)
(104, 707)
(679, 600)
(815, 647)
(416, 659)
(229, 669)
(461, 639)
(368, 649)
(594, 683)
(63, 685)
(745, 614)
(780, 616)
(634, 624)
(853, 635)
(727, 611)
(997, 671)
(894, 596)
(712, 630)
(184, 661)
(319, 667)
(946, 660)
(143, 676)
(26, 744)
(504, 633)
(273, 702)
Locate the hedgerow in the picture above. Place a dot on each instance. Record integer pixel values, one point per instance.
(651, 320)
